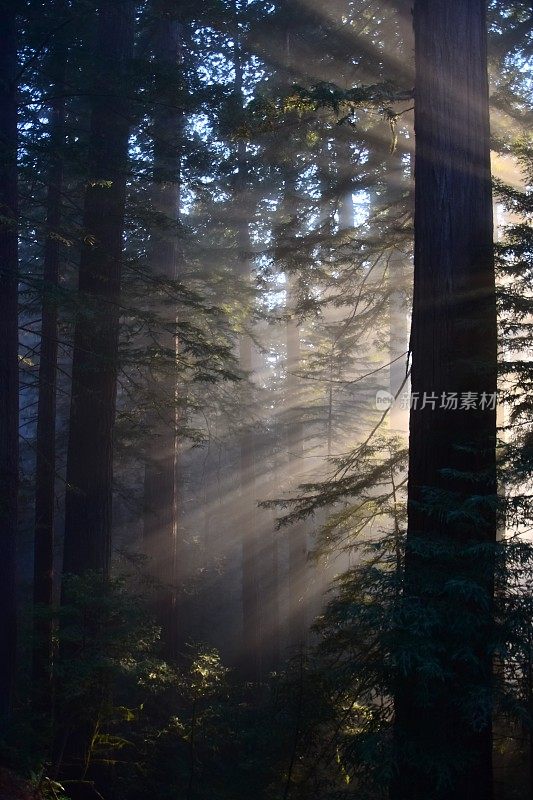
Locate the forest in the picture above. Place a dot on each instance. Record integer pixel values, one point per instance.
(266, 400)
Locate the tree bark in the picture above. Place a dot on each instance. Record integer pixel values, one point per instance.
(8, 349)
(397, 268)
(160, 480)
(444, 683)
(294, 428)
(295, 451)
(273, 581)
(95, 361)
(45, 469)
(251, 590)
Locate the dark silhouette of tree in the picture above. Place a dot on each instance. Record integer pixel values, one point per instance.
(94, 372)
(160, 489)
(45, 468)
(8, 346)
(443, 697)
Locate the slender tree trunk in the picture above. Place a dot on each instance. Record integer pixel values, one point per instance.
(398, 341)
(251, 588)
(295, 450)
(94, 372)
(45, 470)
(294, 429)
(251, 572)
(443, 732)
(294, 437)
(397, 278)
(161, 471)
(8, 348)
(274, 624)
(89, 477)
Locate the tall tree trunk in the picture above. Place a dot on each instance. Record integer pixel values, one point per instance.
(8, 348)
(294, 429)
(94, 372)
(397, 279)
(251, 589)
(398, 340)
(161, 471)
(443, 729)
(45, 470)
(294, 434)
(274, 623)
(295, 450)
(248, 521)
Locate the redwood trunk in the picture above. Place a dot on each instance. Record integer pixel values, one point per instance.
(252, 656)
(294, 428)
(45, 470)
(94, 371)
(8, 349)
(161, 471)
(442, 751)
(251, 605)
(295, 450)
